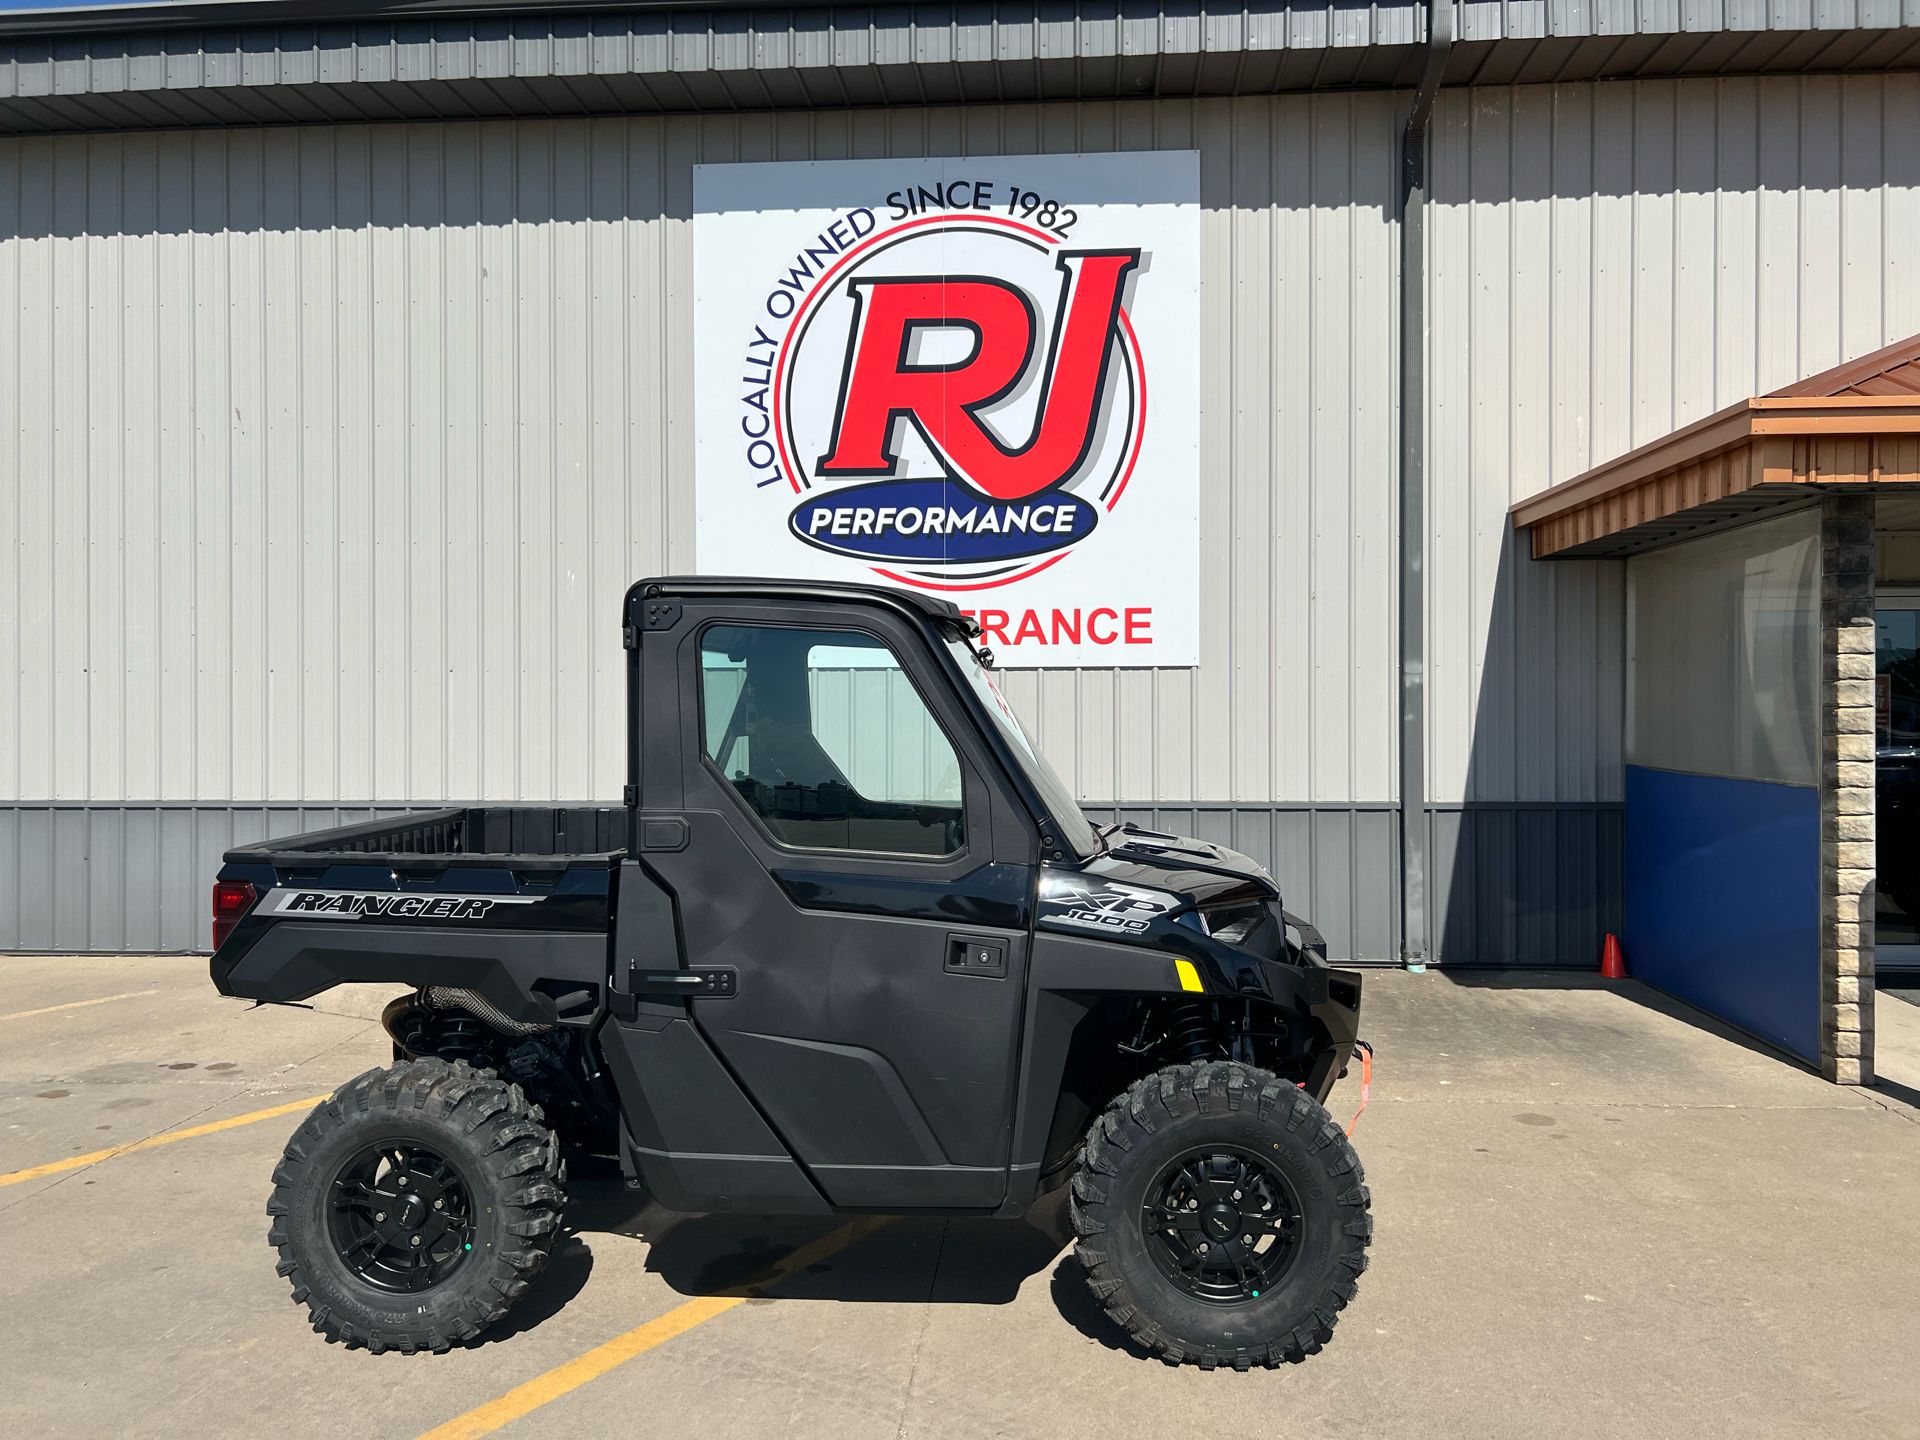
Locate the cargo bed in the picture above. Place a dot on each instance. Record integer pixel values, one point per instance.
(513, 902)
(520, 837)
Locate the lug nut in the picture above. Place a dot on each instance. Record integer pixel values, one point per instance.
(1193, 1204)
(415, 1241)
(403, 1179)
(379, 1215)
(1236, 1194)
(439, 1204)
(1246, 1239)
(1204, 1247)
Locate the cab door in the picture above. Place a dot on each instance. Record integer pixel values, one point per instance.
(840, 858)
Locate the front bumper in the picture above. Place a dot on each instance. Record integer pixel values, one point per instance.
(1330, 996)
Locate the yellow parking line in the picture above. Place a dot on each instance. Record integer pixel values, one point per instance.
(77, 1162)
(524, 1399)
(77, 1004)
(542, 1389)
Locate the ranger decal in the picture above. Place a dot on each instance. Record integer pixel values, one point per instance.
(387, 905)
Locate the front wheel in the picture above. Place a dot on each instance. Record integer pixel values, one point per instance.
(413, 1207)
(1222, 1216)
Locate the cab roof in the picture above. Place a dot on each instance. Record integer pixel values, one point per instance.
(942, 612)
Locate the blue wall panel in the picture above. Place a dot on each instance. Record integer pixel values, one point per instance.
(1723, 899)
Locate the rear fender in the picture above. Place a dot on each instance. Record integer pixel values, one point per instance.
(540, 966)
(536, 978)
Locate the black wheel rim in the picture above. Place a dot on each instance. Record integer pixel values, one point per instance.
(1222, 1224)
(400, 1215)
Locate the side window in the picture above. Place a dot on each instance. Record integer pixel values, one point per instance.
(826, 739)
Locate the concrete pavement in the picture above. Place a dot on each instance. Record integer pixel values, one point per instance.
(1597, 1213)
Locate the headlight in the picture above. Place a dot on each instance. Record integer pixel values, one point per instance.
(1248, 926)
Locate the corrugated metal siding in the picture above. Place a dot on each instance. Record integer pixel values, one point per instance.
(770, 57)
(792, 58)
(1336, 865)
(132, 879)
(333, 450)
(1480, 20)
(726, 59)
(136, 878)
(1530, 885)
(1607, 264)
(1518, 884)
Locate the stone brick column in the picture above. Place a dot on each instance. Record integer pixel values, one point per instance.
(1846, 789)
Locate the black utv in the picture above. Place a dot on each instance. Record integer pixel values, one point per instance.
(848, 946)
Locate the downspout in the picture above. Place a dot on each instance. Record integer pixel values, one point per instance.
(1415, 841)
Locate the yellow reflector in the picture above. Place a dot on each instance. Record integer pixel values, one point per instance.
(1189, 977)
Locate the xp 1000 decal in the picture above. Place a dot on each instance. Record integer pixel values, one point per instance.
(973, 377)
(1086, 902)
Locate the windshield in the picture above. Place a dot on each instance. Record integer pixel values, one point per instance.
(1077, 834)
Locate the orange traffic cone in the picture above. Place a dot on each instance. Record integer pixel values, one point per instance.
(1613, 965)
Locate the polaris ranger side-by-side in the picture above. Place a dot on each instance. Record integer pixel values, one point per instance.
(849, 946)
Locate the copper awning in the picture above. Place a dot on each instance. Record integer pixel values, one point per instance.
(1855, 426)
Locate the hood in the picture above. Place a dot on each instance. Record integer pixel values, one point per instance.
(1199, 872)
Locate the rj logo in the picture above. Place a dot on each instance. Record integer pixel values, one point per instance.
(883, 381)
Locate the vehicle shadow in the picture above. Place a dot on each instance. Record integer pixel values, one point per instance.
(1078, 1307)
(898, 1260)
(565, 1277)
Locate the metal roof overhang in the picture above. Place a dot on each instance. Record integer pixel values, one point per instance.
(1767, 453)
(226, 62)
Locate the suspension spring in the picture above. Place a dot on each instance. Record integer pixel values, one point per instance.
(1190, 1032)
(446, 1034)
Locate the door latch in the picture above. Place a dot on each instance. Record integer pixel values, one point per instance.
(967, 956)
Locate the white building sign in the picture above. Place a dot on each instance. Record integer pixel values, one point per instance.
(977, 378)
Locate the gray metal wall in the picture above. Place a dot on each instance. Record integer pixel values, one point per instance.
(1608, 263)
(1541, 882)
(132, 878)
(135, 877)
(133, 70)
(330, 451)
(334, 449)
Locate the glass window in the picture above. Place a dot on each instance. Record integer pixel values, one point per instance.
(1075, 830)
(1723, 643)
(824, 736)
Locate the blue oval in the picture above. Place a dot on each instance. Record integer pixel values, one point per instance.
(890, 520)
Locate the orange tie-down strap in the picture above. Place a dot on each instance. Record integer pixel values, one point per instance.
(1363, 1052)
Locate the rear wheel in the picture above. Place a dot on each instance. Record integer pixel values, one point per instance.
(414, 1206)
(1223, 1217)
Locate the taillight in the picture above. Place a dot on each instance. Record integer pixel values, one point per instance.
(232, 899)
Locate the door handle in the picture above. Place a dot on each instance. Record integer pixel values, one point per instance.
(970, 955)
(720, 981)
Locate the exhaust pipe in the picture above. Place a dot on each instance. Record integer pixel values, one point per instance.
(454, 999)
